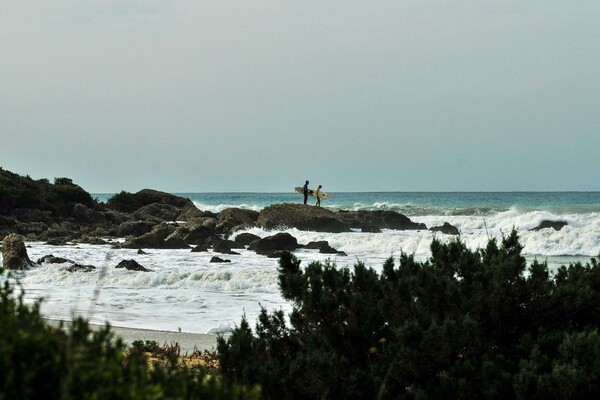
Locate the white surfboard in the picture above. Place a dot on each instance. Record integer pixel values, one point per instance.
(311, 192)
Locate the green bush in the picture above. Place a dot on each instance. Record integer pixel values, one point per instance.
(19, 192)
(38, 361)
(124, 202)
(463, 324)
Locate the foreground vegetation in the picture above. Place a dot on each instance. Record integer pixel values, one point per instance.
(463, 325)
(38, 361)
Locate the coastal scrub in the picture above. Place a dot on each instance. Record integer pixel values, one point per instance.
(464, 324)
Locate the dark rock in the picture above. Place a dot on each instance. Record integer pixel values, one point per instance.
(246, 238)
(323, 247)
(136, 228)
(141, 252)
(201, 248)
(92, 240)
(383, 219)
(80, 268)
(132, 265)
(50, 259)
(300, 216)
(223, 247)
(191, 212)
(14, 253)
(216, 259)
(316, 245)
(156, 239)
(28, 228)
(57, 242)
(164, 212)
(82, 213)
(446, 228)
(279, 241)
(197, 230)
(556, 225)
(236, 218)
(370, 229)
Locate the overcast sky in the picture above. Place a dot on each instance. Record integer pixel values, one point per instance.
(201, 96)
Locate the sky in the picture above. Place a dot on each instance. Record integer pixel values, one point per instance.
(258, 96)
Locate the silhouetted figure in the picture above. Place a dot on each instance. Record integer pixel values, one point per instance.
(305, 191)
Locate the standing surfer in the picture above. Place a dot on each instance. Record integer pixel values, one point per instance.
(318, 194)
(305, 191)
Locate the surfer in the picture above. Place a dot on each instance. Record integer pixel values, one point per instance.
(318, 194)
(305, 191)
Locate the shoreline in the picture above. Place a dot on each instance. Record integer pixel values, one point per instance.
(188, 342)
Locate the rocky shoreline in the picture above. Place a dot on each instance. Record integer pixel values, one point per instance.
(62, 212)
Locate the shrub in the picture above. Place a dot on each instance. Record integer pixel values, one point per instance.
(124, 202)
(41, 361)
(464, 324)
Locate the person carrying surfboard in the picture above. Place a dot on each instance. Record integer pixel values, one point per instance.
(318, 194)
(305, 191)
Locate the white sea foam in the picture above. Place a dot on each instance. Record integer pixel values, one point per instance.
(220, 207)
(185, 291)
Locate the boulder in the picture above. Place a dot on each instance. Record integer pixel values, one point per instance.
(191, 211)
(201, 248)
(246, 238)
(164, 212)
(545, 224)
(136, 228)
(82, 213)
(446, 229)
(382, 219)
(50, 259)
(196, 231)
(14, 253)
(223, 247)
(132, 265)
(80, 268)
(278, 242)
(216, 259)
(370, 229)
(324, 247)
(300, 216)
(236, 218)
(141, 252)
(156, 239)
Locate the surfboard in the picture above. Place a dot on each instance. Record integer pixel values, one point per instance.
(311, 192)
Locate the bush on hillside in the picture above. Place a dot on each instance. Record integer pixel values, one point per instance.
(38, 361)
(464, 324)
(21, 192)
(124, 202)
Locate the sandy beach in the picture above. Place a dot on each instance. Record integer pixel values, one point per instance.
(187, 341)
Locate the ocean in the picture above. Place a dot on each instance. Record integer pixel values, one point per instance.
(184, 292)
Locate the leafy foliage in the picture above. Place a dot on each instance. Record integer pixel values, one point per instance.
(125, 202)
(463, 324)
(41, 361)
(19, 192)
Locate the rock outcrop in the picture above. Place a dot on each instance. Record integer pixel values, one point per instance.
(246, 238)
(132, 265)
(278, 242)
(14, 253)
(382, 219)
(232, 219)
(446, 229)
(158, 238)
(556, 225)
(302, 217)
